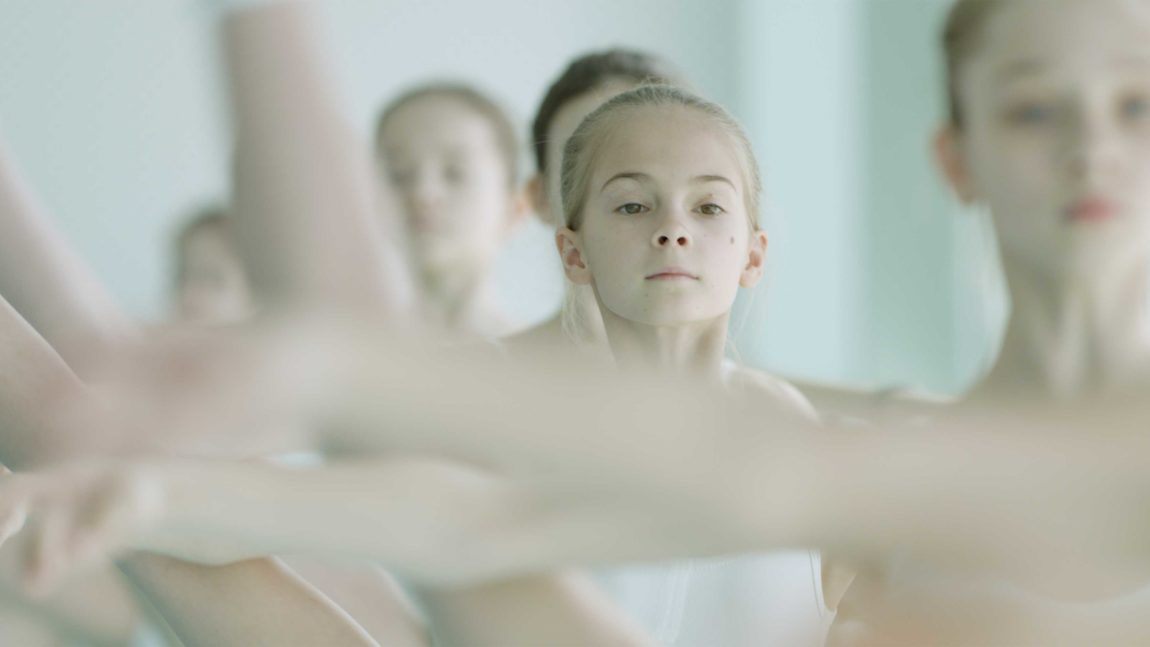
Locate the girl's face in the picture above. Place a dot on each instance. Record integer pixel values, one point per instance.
(1057, 134)
(213, 287)
(445, 165)
(665, 238)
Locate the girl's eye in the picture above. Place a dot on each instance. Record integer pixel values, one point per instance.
(453, 174)
(1135, 107)
(711, 209)
(632, 209)
(400, 177)
(1031, 114)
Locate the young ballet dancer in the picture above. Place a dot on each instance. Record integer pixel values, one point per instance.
(451, 157)
(584, 85)
(1048, 128)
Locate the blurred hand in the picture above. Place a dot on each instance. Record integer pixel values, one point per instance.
(226, 393)
(73, 517)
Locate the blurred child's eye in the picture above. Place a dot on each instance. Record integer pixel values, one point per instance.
(400, 177)
(631, 209)
(454, 174)
(1031, 113)
(711, 209)
(1135, 106)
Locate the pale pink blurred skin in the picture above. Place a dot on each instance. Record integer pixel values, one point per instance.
(881, 509)
(305, 185)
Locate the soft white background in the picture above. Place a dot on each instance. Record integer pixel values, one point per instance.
(114, 111)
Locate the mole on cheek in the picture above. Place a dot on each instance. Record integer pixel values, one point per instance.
(732, 240)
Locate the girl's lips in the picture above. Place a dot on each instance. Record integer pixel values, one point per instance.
(671, 274)
(1090, 210)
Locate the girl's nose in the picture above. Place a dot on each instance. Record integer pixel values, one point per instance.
(672, 234)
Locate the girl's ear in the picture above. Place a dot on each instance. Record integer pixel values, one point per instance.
(753, 271)
(519, 208)
(536, 192)
(951, 160)
(574, 266)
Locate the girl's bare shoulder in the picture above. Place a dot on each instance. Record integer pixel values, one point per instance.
(839, 404)
(777, 389)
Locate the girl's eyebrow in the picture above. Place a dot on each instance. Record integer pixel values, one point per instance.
(628, 175)
(643, 177)
(713, 178)
(1016, 69)
(1032, 66)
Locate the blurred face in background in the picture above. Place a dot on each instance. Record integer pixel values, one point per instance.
(211, 287)
(452, 183)
(1056, 133)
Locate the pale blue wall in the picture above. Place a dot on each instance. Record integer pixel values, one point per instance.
(929, 293)
(109, 108)
(799, 97)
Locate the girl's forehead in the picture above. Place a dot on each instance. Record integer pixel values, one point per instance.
(436, 118)
(668, 141)
(470, 145)
(1032, 37)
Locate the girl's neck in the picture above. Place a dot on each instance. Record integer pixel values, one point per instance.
(459, 301)
(694, 349)
(1073, 334)
(581, 318)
